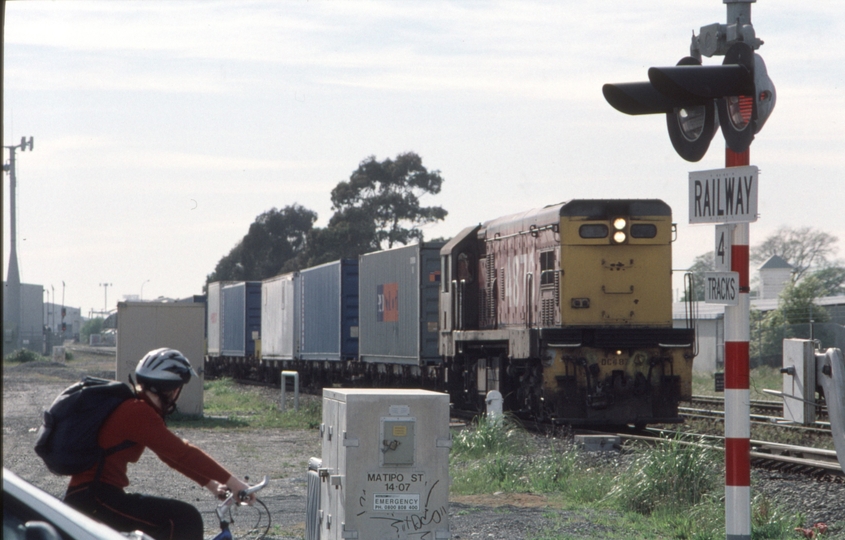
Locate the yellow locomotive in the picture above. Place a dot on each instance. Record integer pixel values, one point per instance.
(567, 311)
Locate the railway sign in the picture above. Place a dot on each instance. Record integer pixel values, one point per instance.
(721, 288)
(722, 252)
(726, 195)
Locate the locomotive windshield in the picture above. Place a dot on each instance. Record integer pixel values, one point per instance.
(593, 231)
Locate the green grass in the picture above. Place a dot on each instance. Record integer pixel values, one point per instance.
(760, 377)
(671, 490)
(228, 405)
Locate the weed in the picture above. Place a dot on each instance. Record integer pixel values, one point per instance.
(769, 521)
(673, 475)
(486, 437)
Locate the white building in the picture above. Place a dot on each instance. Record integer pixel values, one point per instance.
(775, 274)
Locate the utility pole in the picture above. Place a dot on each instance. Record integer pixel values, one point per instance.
(12, 317)
(106, 299)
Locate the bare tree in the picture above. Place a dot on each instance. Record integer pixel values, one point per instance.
(804, 248)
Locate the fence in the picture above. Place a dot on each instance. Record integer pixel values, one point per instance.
(766, 343)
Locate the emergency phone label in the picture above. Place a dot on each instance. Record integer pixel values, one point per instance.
(385, 502)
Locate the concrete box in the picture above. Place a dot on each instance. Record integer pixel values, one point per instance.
(597, 443)
(144, 326)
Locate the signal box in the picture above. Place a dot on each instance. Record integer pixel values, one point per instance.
(385, 464)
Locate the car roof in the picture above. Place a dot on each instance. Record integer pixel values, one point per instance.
(66, 520)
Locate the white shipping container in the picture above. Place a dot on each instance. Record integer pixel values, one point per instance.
(279, 306)
(214, 315)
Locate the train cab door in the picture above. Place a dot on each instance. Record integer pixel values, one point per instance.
(459, 281)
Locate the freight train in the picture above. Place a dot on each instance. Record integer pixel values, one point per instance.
(566, 310)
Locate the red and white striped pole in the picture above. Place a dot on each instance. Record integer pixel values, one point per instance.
(737, 397)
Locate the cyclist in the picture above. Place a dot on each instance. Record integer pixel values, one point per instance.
(99, 491)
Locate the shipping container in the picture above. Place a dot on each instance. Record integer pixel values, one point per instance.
(241, 320)
(279, 306)
(328, 314)
(398, 300)
(214, 316)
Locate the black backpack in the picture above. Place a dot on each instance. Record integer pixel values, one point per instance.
(67, 439)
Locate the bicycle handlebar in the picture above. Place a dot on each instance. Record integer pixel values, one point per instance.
(224, 509)
(245, 493)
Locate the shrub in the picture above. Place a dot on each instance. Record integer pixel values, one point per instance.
(24, 355)
(91, 326)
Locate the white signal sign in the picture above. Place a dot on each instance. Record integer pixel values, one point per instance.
(723, 195)
(721, 288)
(723, 248)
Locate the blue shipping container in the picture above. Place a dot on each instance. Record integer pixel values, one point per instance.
(328, 326)
(241, 318)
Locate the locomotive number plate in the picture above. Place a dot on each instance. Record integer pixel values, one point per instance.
(614, 361)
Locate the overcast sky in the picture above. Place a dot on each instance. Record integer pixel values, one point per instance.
(162, 129)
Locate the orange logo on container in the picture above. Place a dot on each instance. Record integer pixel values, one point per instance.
(388, 302)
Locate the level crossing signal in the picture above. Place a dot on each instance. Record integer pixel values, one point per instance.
(737, 96)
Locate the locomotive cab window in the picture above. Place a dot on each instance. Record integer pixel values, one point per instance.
(594, 230)
(547, 268)
(643, 230)
(464, 268)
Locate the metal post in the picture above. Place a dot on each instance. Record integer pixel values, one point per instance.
(13, 281)
(105, 287)
(14, 278)
(737, 396)
(295, 376)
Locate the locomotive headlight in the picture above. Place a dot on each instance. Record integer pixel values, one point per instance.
(619, 237)
(619, 224)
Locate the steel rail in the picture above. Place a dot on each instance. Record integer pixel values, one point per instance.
(817, 427)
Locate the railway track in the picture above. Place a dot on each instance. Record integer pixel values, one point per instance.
(766, 407)
(815, 462)
(817, 428)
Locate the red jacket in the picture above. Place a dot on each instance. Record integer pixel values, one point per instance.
(139, 421)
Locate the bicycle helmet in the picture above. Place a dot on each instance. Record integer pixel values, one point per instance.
(163, 370)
